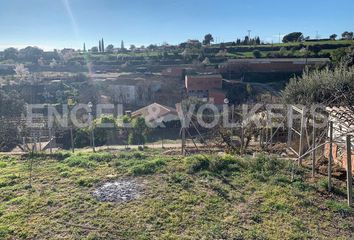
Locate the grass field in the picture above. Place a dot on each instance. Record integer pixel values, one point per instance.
(198, 197)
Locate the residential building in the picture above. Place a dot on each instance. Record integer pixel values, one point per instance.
(156, 114)
(206, 87)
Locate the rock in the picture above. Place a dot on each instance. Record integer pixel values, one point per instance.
(118, 191)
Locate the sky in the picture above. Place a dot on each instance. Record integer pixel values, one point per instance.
(57, 24)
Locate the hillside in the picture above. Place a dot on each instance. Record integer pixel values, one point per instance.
(198, 197)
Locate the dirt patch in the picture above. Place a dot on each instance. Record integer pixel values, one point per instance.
(119, 191)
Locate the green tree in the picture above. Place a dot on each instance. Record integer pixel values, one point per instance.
(139, 133)
(257, 54)
(10, 53)
(347, 35)
(293, 37)
(322, 86)
(109, 48)
(132, 47)
(208, 39)
(102, 45)
(333, 36)
(94, 49)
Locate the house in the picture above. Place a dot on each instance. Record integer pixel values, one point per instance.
(156, 115)
(343, 124)
(177, 72)
(206, 87)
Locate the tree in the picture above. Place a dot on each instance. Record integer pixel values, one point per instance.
(333, 36)
(122, 45)
(99, 46)
(10, 53)
(102, 45)
(109, 48)
(139, 133)
(94, 49)
(21, 71)
(208, 39)
(53, 63)
(293, 37)
(31, 54)
(322, 86)
(11, 108)
(132, 47)
(246, 41)
(84, 47)
(257, 54)
(258, 41)
(347, 35)
(237, 94)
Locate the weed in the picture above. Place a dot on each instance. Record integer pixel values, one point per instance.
(3, 165)
(80, 161)
(148, 167)
(197, 163)
(182, 179)
(86, 181)
(341, 208)
(225, 164)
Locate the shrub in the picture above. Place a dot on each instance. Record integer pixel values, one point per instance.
(3, 165)
(101, 157)
(335, 86)
(266, 165)
(182, 179)
(257, 54)
(60, 156)
(340, 208)
(80, 161)
(149, 167)
(225, 163)
(197, 163)
(86, 181)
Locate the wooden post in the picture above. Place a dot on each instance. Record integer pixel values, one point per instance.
(290, 126)
(50, 141)
(183, 141)
(72, 139)
(301, 144)
(314, 147)
(271, 138)
(260, 138)
(330, 158)
(349, 172)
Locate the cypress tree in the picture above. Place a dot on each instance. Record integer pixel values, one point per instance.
(84, 47)
(102, 42)
(99, 46)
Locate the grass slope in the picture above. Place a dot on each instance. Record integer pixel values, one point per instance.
(198, 197)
